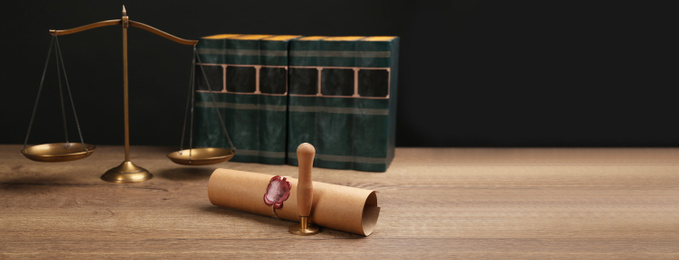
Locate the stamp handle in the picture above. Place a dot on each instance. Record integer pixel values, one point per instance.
(305, 157)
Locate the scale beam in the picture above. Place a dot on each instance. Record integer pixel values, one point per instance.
(120, 22)
(162, 33)
(86, 27)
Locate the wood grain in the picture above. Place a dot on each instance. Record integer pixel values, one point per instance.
(437, 203)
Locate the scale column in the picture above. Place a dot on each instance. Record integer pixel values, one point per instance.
(126, 86)
(126, 171)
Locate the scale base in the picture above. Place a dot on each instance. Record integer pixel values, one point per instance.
(126, 172)
(304, 228)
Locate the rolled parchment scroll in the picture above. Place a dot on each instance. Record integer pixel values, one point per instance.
(337, 207)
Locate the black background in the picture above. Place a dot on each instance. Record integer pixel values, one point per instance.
(472, 73)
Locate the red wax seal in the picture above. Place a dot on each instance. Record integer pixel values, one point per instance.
(277, 192)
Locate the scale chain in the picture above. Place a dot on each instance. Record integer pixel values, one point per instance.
(193, 101)
(59, 59)
(189, 108)
(37, 99)
(70, 96)
(214, 100)
(59, 62)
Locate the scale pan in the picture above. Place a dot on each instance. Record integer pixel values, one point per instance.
(58, 152)
(201, 156)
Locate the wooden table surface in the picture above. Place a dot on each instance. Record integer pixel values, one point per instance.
(437, 203)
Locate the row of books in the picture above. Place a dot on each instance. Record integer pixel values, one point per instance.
(277, 91)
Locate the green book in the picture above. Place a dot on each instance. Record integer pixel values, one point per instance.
(276, 92)
(247, 76)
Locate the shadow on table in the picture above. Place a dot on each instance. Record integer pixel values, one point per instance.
(272, 221)
(185, 173)
(39, 183)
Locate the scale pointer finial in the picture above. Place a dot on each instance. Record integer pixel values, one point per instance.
(124, 11)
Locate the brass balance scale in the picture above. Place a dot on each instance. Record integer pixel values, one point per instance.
(126, 171)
